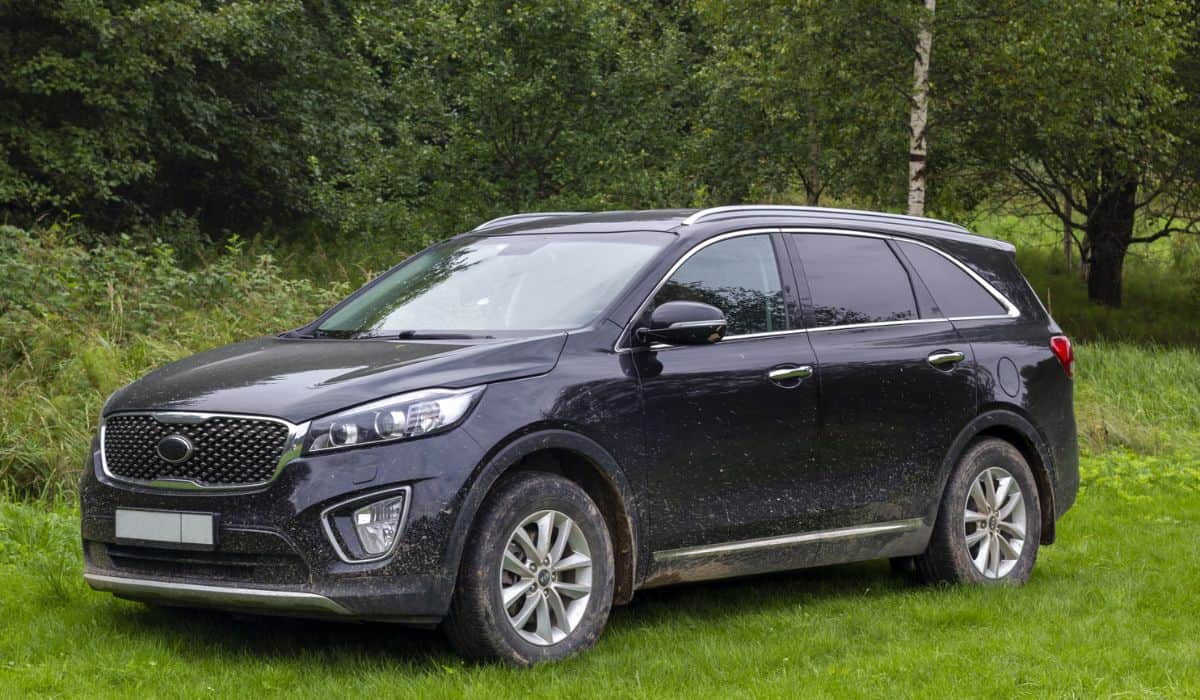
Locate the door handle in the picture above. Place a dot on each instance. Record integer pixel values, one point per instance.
(784, 373)
(945, 358)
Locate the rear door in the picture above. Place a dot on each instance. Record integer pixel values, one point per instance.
(896, 380)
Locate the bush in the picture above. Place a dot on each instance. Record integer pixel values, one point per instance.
(75, 324)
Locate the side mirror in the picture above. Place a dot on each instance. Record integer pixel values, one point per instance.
(683, 323)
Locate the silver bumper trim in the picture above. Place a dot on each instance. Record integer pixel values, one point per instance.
(216, 596)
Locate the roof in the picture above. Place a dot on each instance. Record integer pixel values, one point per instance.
(704, 222)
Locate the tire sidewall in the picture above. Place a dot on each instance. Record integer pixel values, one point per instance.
(985, 455)
(516, 500)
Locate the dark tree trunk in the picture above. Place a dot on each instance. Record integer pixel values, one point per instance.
(1068, 236)
(1109, 230)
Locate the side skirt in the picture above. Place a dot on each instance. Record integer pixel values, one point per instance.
(797, 551)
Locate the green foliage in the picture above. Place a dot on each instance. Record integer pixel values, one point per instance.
(128, 111)
(496, 107)
(1079, 105)
(1162, 284)
(1139, 476)
(809, 96)
(77, 323)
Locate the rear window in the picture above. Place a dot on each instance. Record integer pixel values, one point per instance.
(955, 292)
(853, 280)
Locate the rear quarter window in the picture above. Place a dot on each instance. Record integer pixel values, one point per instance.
(956, 293)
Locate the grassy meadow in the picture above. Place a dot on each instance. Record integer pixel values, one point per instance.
(1110, 611)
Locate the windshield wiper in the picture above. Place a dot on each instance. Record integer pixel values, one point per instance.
(422, 335)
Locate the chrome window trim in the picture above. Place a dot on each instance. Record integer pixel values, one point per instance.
(1011, 309)
(368, 498)
(216, 596)
(291, 449)
(896, 526)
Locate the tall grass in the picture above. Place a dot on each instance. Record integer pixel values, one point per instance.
(76, 324)
(1144, 398)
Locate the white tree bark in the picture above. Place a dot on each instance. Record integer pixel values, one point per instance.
(919, 117)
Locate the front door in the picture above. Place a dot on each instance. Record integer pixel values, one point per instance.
(730, 447)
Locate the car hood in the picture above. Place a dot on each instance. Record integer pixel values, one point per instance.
(301, 378)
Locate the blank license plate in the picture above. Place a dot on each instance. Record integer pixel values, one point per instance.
(166, 526)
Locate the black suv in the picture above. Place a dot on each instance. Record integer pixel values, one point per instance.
(522, 425)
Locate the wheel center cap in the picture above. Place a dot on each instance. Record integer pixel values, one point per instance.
(993, 521)
(543, 578)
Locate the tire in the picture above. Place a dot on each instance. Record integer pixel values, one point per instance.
(480, 626)
(969, 527)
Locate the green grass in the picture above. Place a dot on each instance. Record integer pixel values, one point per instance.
(1111, 610)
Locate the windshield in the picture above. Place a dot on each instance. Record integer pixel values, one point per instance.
(499, 283)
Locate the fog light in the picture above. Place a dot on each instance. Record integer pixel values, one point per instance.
(378, 524)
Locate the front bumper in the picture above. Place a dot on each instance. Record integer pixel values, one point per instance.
(225, 597)
(273, 553)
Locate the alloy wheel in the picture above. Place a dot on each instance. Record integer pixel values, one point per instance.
(546, 577)
(995, 520)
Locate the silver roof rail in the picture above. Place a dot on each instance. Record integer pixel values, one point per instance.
(794, 209)
(530, 216)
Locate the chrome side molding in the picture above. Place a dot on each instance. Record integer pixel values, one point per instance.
(763, 543)
(1011, 310)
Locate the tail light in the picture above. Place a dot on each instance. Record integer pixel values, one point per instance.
(1061, 346)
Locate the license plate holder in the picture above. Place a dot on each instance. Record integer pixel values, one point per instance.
(184, 529)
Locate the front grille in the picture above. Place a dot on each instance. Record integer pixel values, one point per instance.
(226, 450)
(230, 567)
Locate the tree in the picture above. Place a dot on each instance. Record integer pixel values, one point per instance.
(814, 96)
(494, 107)
(918, 147)
(123, 111)
(1080, 105)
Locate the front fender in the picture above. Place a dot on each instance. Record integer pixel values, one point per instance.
(517, 447)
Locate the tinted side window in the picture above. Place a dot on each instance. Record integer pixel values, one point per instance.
(955, 293)
(853, 279)
(738, 276)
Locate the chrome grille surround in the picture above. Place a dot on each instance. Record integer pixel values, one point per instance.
(232, 451)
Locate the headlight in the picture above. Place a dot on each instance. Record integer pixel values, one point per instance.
(396, 418)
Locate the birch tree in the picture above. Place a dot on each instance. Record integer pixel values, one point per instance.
(918, 147)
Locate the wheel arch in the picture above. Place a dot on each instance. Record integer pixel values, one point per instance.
(1005, 423)
(575, 457)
